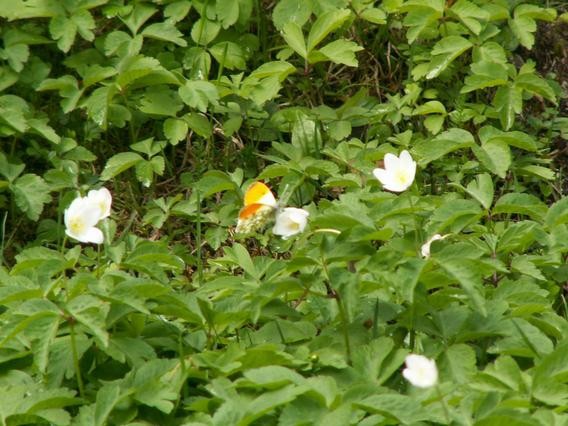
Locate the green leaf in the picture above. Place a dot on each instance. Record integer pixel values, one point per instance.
(409, 274)
(199, 94)
(91, 313)
(119, 163)
(517, 139)
(273, 376)
(453, 215)
(467, 274)
(422, 18)
(445, 52)
(495, 155)
(199, 124)
(534, 84)
(214, 181)
(325, 24)
(470, 15)
(30, 193)
(204, 31)
(524, 265)
(523, 24)
(557, 214)
(158, 101)
(482, 190)
(430, 107)
(374, 15)
(165, 31)
(63, 30)
(108, 397)
(451, 140)
(341, 52)
(227, 12)
(293, 35)
(175, 130)
(508, 101)
(136, 67)
(400, 408)
(458, 363)
(229, 54)
(524, 204)
(485, 74)
(296, 11)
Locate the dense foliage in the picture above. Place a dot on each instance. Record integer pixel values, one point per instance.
(176, 107)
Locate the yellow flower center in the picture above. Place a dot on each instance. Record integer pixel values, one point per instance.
(77, 225)
(401, 176)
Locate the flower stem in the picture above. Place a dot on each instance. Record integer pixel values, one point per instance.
(76, 358)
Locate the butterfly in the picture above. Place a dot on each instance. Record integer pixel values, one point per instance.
(259, 206)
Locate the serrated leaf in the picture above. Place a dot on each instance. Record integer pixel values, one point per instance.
(517, 203)
(63, 29)
(325, 24)
(199, 94)
(557, 214)
(292, 34)
(91, 313)
(445, 52)
(534, 84)
(31, 193)
(341, 52)
(451, 140)
(175, 130)
(204, 31)
(199, 124)
(119, 163)
(297, 11)
(165, 31)
(470, 15)
(508, 101)
(467, 274)
(227, 12)
(458, 363)
(374, 15)
(495, 155)
(482, 190)
(229, 54)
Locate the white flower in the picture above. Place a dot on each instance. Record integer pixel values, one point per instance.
(398, 173)
(425, 249)
(420, 371)
(101, 198)
(81, 218)
(290, 221)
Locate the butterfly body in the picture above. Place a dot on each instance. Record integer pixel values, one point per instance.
(259, 207)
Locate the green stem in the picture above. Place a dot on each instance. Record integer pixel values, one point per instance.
(342, 313)
(198, 238)
(76, 358)
(419, 238)
(412, 331)
(443, 402)
(3, 230)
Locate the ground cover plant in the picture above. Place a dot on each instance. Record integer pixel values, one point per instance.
(283, 212)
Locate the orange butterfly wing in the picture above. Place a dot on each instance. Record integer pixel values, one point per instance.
(250, 210)
(259, 193)
(259, 205)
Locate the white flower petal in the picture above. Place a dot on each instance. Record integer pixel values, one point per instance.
(399, 172)
(80, 219)
(290, 221)
(390, 161)
(425, 249)
(102, 198)
(420, 371)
